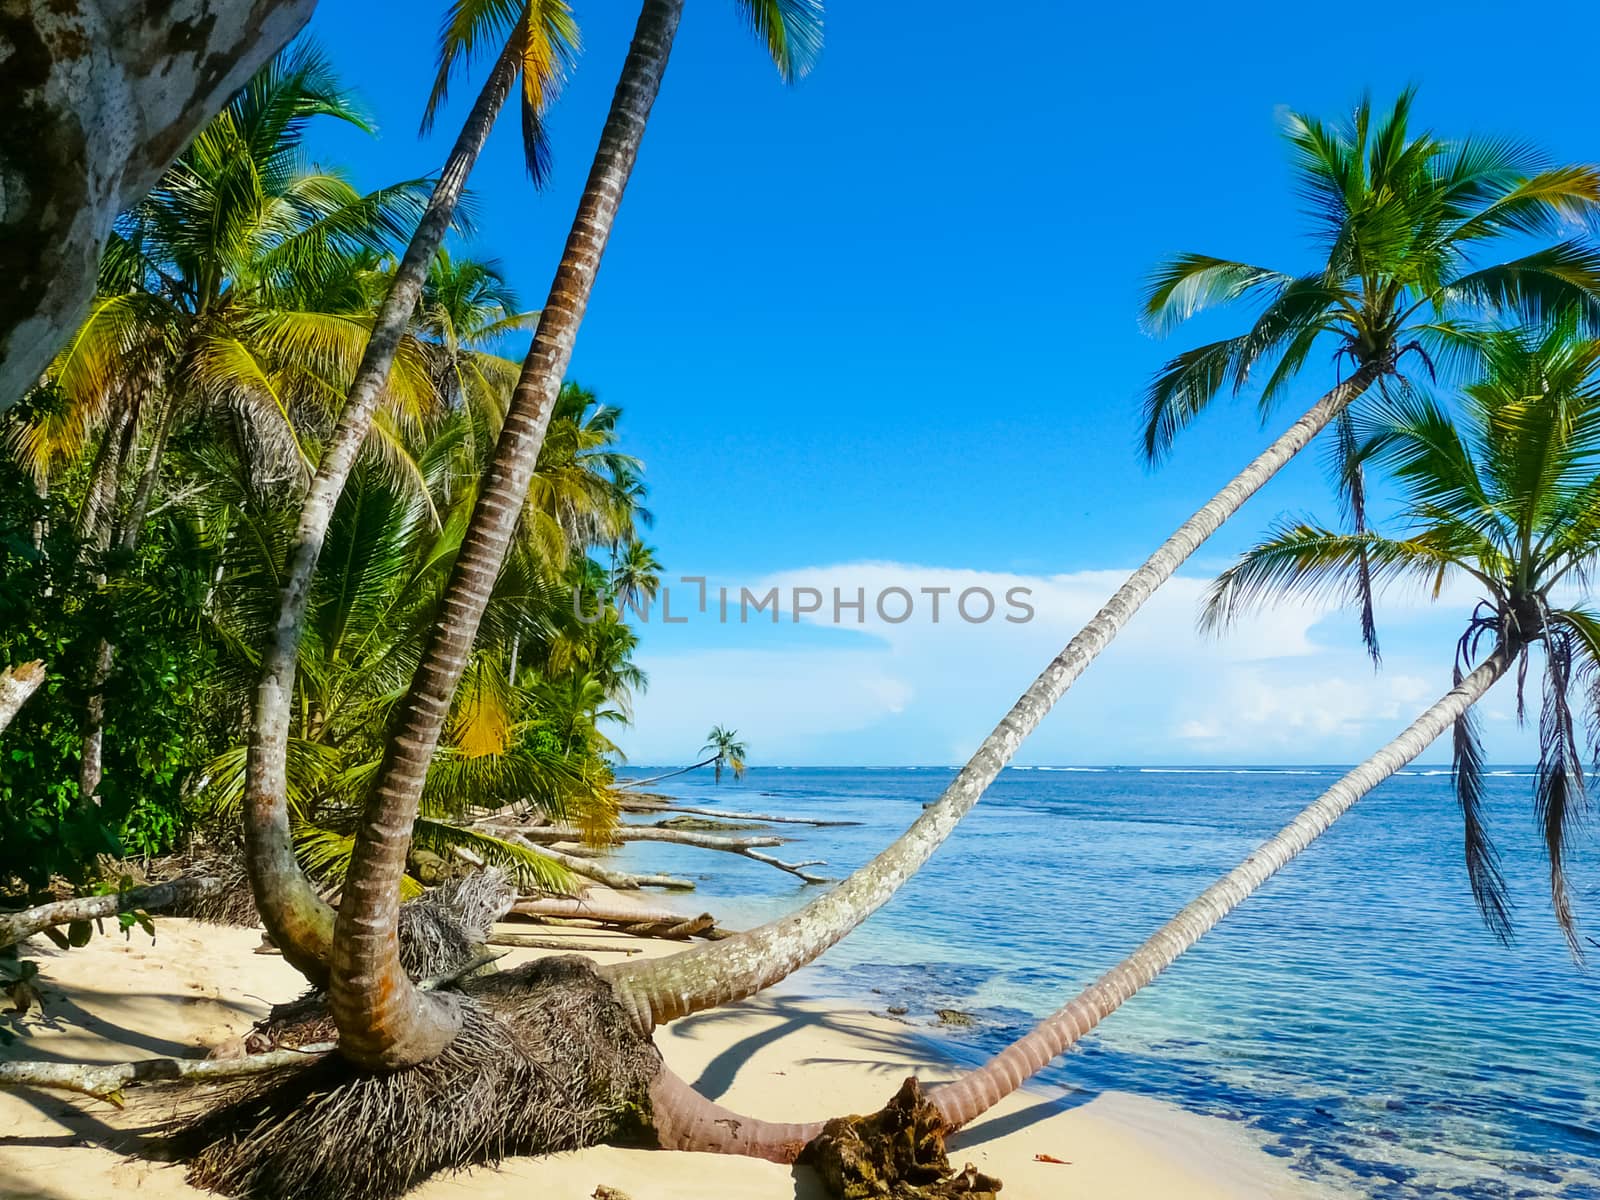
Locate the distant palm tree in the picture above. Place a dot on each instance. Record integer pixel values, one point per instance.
(727, 751)
(1509, 502)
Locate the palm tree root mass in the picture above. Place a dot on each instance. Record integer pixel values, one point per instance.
(547, 1060)
(897, 1152)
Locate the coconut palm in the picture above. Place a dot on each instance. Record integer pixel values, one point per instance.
(726, 751)
(1398, 221)
(540, 39)
(1397, 214)
(384, 1021)
(635, 576)
(1505, 501)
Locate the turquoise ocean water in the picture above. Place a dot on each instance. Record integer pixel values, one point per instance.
(1355, 1012)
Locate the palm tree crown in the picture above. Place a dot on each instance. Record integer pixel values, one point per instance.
(1396, 218)
(727, 749)
(1506, 498)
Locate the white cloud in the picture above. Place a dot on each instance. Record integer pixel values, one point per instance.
(1290, 684)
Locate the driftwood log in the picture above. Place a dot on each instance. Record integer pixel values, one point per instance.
(747, 847)
(18, 925)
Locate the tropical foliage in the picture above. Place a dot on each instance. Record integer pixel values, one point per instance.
(1503, 497)
(151, 491)
(1400, 222)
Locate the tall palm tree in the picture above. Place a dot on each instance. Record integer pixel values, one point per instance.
(1397, 216)
(1507, 501)
(726, 751)
(635, 575)
(383, 1020)
(540, 40)
(1509, 504)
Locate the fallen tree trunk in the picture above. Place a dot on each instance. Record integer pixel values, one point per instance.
(16, 685)
(653, 806)
(16, 926)
(522, 941)
(744, 846)
(637, 920)
(589, 869)
(551, 834)
(105, 1082)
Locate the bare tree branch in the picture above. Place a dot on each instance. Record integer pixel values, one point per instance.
(105, 1082)
(16, 926)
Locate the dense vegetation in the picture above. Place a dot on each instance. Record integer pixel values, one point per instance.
(150, 486)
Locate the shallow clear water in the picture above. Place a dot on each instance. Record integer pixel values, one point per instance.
(1354, 1011)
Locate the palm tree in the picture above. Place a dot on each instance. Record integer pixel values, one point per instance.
(1397, 216)
(1510, 504)
(1507, 501)
(1396, 222)
(383, 1020)
(727, 750)
(540, 40)
(635, 575)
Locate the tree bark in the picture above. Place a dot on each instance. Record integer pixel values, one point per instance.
(294, 914)
(16, 926)
(383, 1021)
(709, 976)
(17, 684)
(96, 100)
(963, 1099)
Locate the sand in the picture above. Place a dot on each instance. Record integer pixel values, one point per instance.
(779, 1056)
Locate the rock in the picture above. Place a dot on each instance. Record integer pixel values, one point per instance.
(955, 1018)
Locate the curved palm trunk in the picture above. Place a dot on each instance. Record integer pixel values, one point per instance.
(708, 976)
(297, 918)
(685, 1120)
(638, 783)
(384, 1021)
(963, 1099)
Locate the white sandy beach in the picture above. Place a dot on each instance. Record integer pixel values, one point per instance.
(776, 1057)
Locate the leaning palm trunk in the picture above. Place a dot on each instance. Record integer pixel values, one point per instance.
(709, 976)
(685, 1120)
(639, 783)
(963, 1099)
(384, 1021)
(297, 918)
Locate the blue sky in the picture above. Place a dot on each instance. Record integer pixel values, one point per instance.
(888, 317)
